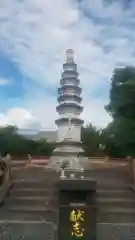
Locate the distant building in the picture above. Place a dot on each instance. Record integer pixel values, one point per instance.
(50, 136)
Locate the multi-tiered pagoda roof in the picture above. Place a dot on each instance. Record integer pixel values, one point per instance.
(69, 92)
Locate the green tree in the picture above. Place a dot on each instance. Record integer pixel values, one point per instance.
(91, 140)
(17, 145)
(43, 148)
(108, 140)
(122, 93)
(122, 109)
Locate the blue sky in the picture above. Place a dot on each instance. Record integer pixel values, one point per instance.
(34, 35)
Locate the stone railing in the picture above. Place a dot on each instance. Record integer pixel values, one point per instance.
(2, 171)
(132, 172)
(5, 176)
(87, 162)
(29, 161)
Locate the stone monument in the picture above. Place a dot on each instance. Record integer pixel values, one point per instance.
(77, 209)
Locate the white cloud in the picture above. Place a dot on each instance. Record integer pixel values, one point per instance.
(44, 30)
(19, 117)
(36, 33)
(104, 9)
(4, 81)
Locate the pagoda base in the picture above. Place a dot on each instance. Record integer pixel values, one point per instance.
(74, 163)
(68, 149)
(67, 152)
(71, 161)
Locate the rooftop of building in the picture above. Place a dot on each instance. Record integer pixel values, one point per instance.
(50, 136)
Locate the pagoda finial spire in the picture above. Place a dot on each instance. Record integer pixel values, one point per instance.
(69, 55)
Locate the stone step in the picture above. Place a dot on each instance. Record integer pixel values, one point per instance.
(15, 215)
(47, 214)
(19, 214)
(108, 203)
(115, 215)
(30, 192)
(30, 209)
(119, 210)
(114, 193)
(112, 186)
(115, 218)
(27, 201)
(30, 184)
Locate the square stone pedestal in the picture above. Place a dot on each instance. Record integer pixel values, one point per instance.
(77, 209)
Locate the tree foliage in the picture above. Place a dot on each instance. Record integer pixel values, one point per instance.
(17, 145)
(91, 140)
(122, 109)
(122, 93)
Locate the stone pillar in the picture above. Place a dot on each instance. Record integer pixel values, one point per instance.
(107, 158)
(62, 175)
(29, 158)
(8, 167)
(77, 209)
(131, 171)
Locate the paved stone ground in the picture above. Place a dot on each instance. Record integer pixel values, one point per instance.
(46, 231)
(116, 231)
(27, 230)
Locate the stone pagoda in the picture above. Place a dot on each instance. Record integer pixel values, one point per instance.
(69, 146)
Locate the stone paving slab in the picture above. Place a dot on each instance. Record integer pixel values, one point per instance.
(27, 230)
(15, 230)
(115, 231)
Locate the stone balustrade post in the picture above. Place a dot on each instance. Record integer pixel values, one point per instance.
(131, 164)
(8, 167)
(62, 174)
(6, 176)
(133, 171)
(29, 158)
(129, 158)
(107, 158)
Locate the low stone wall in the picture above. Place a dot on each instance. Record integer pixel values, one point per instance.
(103, 167)
(86, 163)
(5, 178)
(132, 172)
